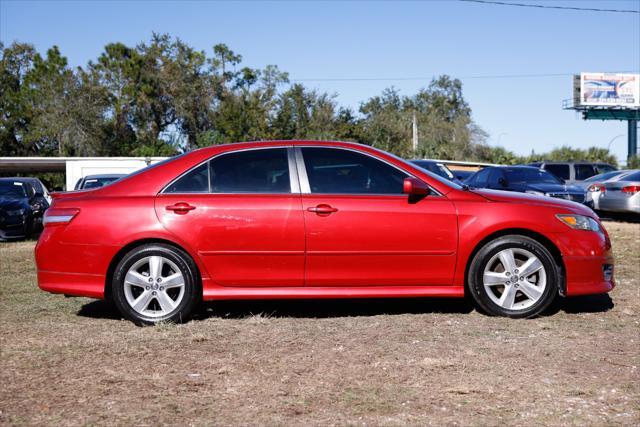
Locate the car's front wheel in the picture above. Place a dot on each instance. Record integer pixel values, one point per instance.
(514, 276)
(155, 283)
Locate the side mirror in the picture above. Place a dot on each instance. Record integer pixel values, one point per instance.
(415, 187)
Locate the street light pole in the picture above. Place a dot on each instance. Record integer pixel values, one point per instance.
(613, 139)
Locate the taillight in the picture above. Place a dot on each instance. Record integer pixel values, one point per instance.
(594, 188)
(59, 216)
(631, 189)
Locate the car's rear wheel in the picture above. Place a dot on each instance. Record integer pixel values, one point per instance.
(513, 276)
(155, 283)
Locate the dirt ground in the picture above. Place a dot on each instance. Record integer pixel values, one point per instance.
(73, 361)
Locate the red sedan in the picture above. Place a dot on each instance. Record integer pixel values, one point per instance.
(308, 219)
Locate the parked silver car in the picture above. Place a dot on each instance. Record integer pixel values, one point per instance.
(594, 186)
(621, 195)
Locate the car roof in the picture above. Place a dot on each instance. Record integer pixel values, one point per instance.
(19, 179)
(513, 167)
(152, 179)
(569, 162)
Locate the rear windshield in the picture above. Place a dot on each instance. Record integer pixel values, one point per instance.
(633, 177)
(603, 176)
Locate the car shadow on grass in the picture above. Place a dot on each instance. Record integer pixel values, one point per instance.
(349, 307)
(100, 309)
(584, 304)
(333, 308)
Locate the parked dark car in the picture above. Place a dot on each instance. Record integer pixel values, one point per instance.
(572, 171)
(21, 209)
(437, 168)
(42, 193)
(525, 179)
(96, 181)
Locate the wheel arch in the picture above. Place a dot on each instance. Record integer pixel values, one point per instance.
(136, 243)
(538, 237)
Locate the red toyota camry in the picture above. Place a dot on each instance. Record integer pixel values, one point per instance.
(308, 219)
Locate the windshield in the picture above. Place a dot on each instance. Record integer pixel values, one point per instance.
(529, 175)
(439, 169)
(445, 181)
(12, 189)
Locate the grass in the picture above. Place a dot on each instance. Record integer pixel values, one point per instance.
(73, 361)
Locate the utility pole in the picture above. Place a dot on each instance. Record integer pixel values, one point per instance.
(632, 139)
(415, 134)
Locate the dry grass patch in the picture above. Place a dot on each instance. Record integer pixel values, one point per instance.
(383, 362)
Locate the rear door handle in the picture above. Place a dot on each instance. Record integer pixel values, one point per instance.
(181, 208)
(323, 209)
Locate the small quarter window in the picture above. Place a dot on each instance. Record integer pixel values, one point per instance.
(196, 181)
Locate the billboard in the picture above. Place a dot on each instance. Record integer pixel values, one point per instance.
(609, 90)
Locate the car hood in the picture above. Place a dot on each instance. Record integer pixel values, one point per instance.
(11, 203)
(532, 199)
(553, 188)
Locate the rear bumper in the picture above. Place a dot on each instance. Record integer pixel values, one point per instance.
(72, 269)
(82, 285)
(620, 204)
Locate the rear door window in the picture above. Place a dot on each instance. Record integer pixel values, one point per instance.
(559, 170)
(584, 171)
(252, 171)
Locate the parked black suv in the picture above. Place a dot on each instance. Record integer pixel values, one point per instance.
(525, 179)
(574, 171)
(21, 208)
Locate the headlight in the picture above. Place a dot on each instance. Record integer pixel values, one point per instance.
(537, 193)
(579, 222)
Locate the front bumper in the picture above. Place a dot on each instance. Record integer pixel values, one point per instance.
(13, 228)
(588, 261)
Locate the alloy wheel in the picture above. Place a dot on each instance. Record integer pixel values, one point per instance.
(514, 279)
(154, 286)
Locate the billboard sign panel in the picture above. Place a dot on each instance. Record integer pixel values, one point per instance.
(610, 90)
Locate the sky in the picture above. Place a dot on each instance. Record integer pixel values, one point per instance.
(360, 48)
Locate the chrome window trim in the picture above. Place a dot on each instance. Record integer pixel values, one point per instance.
(305, 187)
(293, 171)
(294, 185)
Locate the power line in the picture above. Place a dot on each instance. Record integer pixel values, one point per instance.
(500, 76)
(542, 6)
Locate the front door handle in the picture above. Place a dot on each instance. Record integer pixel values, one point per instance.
(323, 210)
(181, 208)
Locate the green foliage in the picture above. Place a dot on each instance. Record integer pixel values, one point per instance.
(162, 97)
(591, 154)
(633, 162)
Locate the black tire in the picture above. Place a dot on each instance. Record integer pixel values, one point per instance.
(517, 243)
(192, 288)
